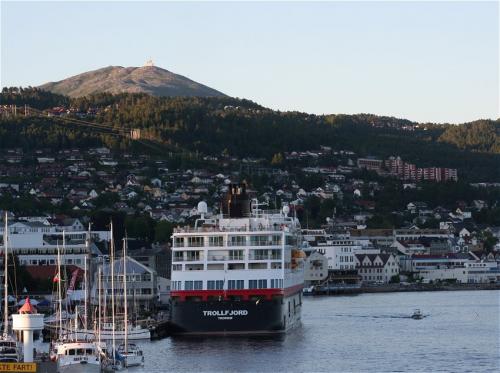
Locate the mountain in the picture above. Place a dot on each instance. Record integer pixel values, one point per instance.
(148, 79)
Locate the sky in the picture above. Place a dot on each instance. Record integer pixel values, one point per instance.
(424, 61)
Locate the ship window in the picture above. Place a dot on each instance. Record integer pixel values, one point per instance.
(231, 284)
(179, 242)
(215, 285)
(176, 267)
(252, 284)
(260, 255)
(195, 241)
(237, 241)
(240, 284)
(235, 254)
(216, 241)
(263, 284)
(188, 285)
(89, 351)
(178, 256)
(290, 240)
(276, 239)
(260, 240)
(198, 285)
(276, 254)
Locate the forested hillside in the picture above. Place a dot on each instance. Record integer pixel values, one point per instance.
(481, 136)
(243, 128)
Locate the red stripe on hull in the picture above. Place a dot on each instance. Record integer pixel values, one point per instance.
(245, 294)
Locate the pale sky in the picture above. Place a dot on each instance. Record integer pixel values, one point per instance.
(424, 61)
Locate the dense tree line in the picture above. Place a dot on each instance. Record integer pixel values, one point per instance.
(481, 136)
(243, 128)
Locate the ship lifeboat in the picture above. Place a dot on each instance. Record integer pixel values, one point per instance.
(298, 256)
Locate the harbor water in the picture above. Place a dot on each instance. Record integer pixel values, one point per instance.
(361, 333)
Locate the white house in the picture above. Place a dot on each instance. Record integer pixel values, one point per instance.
(377, 267)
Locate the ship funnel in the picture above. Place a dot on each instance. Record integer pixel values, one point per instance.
(237, 203)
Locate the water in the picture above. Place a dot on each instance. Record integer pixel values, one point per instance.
(363, 333)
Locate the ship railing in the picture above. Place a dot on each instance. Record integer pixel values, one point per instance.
(216, 258)
(259, 228)
(265, 257)
(189, 259)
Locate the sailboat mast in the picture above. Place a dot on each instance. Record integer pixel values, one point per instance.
(5, 278)
(99, 305)
(59, 293)
(125, 291)
(112, 263)
(87, 252)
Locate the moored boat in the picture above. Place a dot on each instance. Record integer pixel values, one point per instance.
(10, 348)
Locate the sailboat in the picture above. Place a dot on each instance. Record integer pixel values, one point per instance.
(10, 349)
(71, 353)
(109, 331)
(132, 355)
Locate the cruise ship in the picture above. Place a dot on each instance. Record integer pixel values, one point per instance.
(240, 272)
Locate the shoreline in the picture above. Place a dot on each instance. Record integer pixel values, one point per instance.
(398, 288)
(389, 288)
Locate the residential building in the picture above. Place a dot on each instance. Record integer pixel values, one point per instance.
(377, 267)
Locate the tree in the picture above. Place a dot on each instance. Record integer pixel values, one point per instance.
(395, 279)
(163, 231)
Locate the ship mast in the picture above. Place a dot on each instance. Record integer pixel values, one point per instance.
(112, 263)
(59, 295)
(99, 274)
(5, 278)
(87, 255)
(125, 292)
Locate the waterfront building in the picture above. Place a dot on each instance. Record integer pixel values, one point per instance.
(377, 267)
(35, 242)
(142, 284)
(338, 249)
(459, 267)
(315, 268)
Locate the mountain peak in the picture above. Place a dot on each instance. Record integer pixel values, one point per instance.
(148, 79)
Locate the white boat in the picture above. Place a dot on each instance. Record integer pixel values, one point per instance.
(76, 357)
(417, 315)
(10, 349)
(131, 354)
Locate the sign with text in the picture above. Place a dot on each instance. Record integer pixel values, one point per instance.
(18, 367)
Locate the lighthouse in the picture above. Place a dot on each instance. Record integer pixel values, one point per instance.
(27, 320)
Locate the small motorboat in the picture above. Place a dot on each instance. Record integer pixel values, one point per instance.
(417, 315)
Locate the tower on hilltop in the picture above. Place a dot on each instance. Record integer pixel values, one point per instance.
(149, 63)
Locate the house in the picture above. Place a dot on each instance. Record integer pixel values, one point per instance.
(142, 288)
(377, 267)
